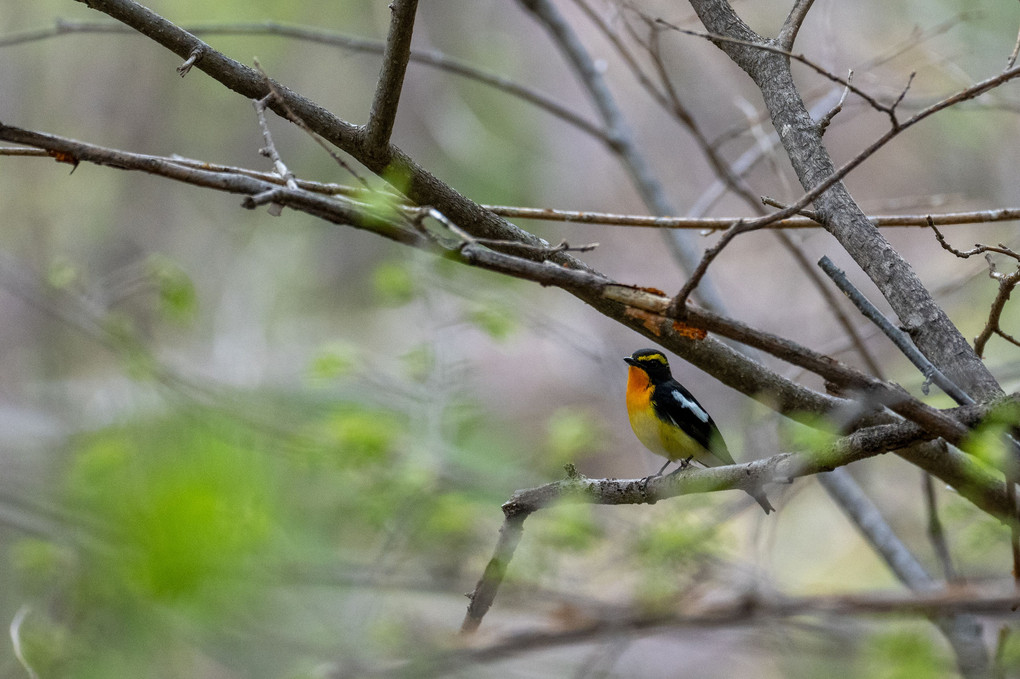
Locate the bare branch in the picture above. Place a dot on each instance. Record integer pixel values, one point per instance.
(779, 468)
(794, 20)
(391, 77)
(825, 120)
(768, 47)
(936, 534)
(805, 219)
(1011, 61)
(270, 151)
(962, 631)
(899, 338)
(645, 181)
(430, 58)
(1007, 282)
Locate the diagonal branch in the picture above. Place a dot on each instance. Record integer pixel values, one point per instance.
(430, 58)
(961, 630)
(621, 137)
(794, 20)
(391, 77)
(781, 467)
(930, 328)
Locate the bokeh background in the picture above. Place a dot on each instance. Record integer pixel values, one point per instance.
(243, 445)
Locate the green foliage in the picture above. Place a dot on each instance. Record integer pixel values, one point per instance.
(987, 442)
(176, 523)
(333, 361)
(1009, 653)
(419, 362)
(677, 544)
(568, 527)
(393, 283)
(187, 510)
(570, 433)
(41, 564)
(177, 297)
(384, 206)
(62, 273)
(497, 321)
(811, 435)
(358, 436)
(904, 653)
(980, 541)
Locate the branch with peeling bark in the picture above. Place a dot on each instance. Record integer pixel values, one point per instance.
(780, 468)
(466, 232)
(642, 309)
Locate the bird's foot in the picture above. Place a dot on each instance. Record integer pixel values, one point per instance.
(684, 464)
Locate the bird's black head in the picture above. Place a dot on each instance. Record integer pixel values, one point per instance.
(653, 362)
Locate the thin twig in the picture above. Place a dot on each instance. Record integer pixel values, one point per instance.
(936, 534)
(16, 642)
(898, 337)
(433, 59)
(804, 219)
(899, 99)
(1007, 282)
(642, 175)
(195, 55)
(270, 151)
(1011, 61)
(768, 47)
(823, 123)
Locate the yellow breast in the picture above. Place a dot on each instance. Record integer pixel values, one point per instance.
(662, 438)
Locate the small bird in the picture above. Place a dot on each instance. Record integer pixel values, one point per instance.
(670, 422)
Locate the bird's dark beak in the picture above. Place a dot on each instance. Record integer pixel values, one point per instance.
(630, 361)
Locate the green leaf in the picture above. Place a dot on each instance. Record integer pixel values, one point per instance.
(361, 437)
(61, 273)
(333, 361)
(393, 283)
(494, 319)
(903, 654)
(570, 432)
(176, 290)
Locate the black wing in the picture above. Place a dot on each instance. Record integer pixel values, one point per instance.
(673, 403)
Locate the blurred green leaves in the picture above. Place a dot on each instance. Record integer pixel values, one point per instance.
(176, 292)
(331, 362)
(988, 441)
(572, 433)
(905, 654)
(173, 526)
(186, 514)
(393, 283)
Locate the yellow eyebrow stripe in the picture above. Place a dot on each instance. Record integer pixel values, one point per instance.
(653, 357)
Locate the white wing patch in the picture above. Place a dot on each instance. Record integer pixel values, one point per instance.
(690, 405)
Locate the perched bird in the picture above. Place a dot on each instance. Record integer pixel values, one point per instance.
(670, 422)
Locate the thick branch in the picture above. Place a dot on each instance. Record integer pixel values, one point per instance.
(778, 468)
(931, 329)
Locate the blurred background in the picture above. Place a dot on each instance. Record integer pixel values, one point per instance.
(233, 444)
